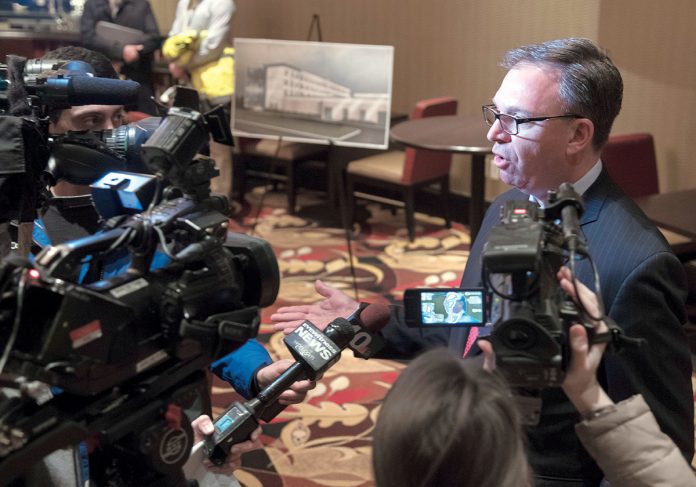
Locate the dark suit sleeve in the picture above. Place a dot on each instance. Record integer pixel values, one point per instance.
(402, 342)
(92, 14)
(88, 23)
(151, 30)
(650, 305)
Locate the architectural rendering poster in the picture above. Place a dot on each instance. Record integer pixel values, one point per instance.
(313, 92)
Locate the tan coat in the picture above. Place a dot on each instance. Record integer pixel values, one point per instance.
(629, 447)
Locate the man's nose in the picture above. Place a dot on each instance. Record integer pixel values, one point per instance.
(497, 134)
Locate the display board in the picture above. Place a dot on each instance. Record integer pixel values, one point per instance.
(314, 92)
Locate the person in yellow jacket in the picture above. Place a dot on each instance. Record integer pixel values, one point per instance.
(198, 48)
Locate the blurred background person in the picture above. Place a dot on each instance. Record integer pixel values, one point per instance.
(199, 52)
(133, 59)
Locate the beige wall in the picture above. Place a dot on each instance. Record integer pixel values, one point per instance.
(452, 47)
(164, 13)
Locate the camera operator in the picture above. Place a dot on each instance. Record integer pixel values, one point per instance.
(70, 215)
(549, 121)
(451, 407)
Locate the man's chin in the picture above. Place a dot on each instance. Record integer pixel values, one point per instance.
(507, 178)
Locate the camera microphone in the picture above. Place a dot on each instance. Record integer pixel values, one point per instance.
(315, 351)
(570, 225)
(571, 209)
(85, 90)
(566, 205)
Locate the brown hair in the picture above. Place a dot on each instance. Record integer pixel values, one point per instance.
(446, 421)
(100, 64)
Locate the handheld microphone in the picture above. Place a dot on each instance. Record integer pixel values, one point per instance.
(314, 352)
(367, 320)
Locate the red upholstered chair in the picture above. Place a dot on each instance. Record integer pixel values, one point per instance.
(404, 171)
(630, 161)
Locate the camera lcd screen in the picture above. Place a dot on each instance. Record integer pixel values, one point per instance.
(446, 307)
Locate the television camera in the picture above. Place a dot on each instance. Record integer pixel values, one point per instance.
(529, 312)
(30, 91)
(127, 355)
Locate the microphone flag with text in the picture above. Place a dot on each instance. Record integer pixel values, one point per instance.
(314, 351)
(366, 321)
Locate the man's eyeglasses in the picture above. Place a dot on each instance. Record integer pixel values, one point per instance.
(510, 124)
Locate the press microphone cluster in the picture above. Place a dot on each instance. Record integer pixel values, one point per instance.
(314, 351)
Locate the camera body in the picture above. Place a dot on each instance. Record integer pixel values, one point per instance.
(519, 265)
(129, 352)
(521, 306)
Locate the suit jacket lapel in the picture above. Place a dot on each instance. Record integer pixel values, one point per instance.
(595, 197)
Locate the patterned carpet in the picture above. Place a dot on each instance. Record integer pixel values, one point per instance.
(326, 440)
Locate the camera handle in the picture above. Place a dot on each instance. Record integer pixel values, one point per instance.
(615, 337)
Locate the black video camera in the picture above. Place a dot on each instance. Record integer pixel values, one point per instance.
(520, 261)
(129, 352)
(31, 90)
(529, 312)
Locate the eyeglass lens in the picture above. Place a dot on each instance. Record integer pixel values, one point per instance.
(507, 122)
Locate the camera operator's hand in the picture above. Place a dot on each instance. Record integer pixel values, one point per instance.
(203, 426)
(580, 383)
(298, 390)
(488, 354)
(320, 314)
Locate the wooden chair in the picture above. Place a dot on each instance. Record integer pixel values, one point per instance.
(254, 157)
(404, 171)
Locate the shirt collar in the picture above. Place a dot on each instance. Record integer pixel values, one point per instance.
(582, 184)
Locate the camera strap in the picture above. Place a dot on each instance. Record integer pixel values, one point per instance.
(616, 337)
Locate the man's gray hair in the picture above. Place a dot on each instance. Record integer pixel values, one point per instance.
(590, 83)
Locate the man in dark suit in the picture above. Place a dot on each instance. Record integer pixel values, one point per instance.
(549, 120)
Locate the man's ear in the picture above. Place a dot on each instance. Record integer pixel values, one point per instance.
(582, 131)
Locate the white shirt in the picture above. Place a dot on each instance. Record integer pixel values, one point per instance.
(582, 184)
(213, 16)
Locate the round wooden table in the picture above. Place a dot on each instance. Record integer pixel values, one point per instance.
(464, 134)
